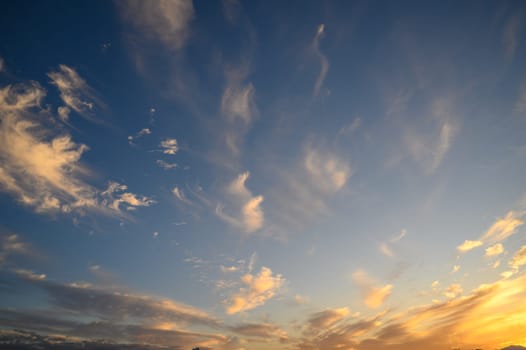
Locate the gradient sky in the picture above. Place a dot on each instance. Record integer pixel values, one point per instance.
(264, 174)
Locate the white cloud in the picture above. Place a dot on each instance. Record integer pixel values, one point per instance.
(324, 62)
(373, 296)
(257, 291)
(453, 291)
(328, 172)
(139, 134)
(40, 170)
(455, 269)
(494, 250)
(75, 93)
(63, 113)
(169, 146)
(468, 245)
(165, 165)
(518, 259)
(166, 21)
(179, 194)
(502, 228)
(250, 217)
(116, 195)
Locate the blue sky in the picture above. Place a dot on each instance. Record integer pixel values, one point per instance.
(263, 175)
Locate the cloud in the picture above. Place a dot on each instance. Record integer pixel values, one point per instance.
(169, 146)
(165, 165)
(385, 247)
(468, 245)
(502, 228)
(373, 296)
(257, 291)
(42, 173)
(520, 104)
(63, 113)
(180, 195)
(11, 245)
(490, 317)
(237, 102)
(328, 172)
(453, 291)
(260, 330)
(511, 35)
(116, 195)
(518, 259)
(428, 143)
(386, 250)
(101, 334)
(139, 134)
(250, 217)
(324, 319)
(239, 107)
(455, 269)
(76, 94)
(324, 62)
(40, 167)
(165, 21)
(494, 250)
(118, 306)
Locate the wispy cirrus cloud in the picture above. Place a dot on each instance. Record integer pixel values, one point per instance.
(386, 247)
(503, 227)
(324, 62)
(169, 146)
(328, 172)
(12, 245)
(373, 295)
(468, 245)
(139, 134)
(511, 35)
(322, 320)
(166, 21)
(518, 259)
(257, 290)
(494, 250)
(500, 230)
(249, 216)
(76, 94)
(40, 167)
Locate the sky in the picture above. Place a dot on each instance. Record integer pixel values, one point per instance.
(264, 174)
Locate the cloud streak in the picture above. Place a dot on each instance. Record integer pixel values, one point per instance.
(324, 62)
